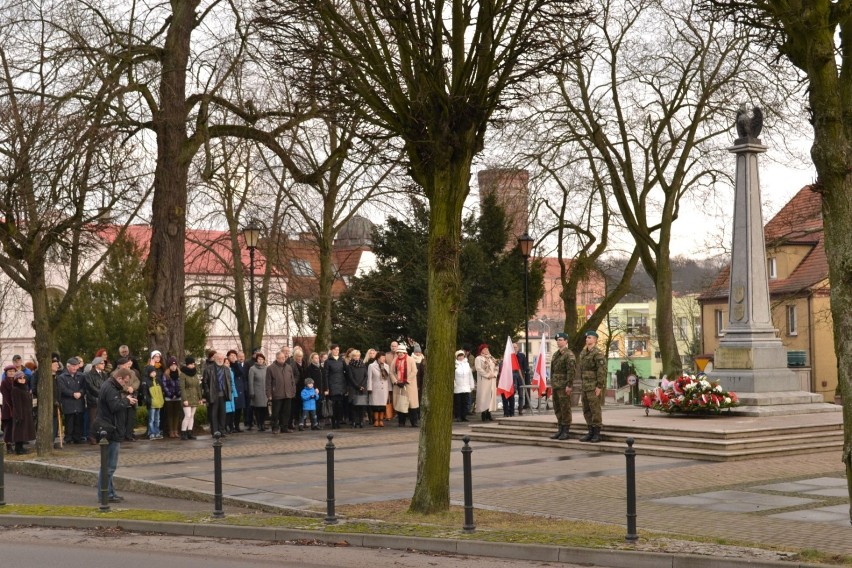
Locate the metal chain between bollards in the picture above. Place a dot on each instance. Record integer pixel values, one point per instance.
(103, 478)
(469, 526)
(218, 512)
(630, 456)
(330, 517)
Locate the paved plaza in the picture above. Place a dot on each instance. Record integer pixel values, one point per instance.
(798, 501)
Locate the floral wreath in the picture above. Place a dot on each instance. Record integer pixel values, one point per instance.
(689, 394)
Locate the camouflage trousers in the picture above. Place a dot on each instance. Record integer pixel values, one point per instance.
(562, 405)
(592, 407)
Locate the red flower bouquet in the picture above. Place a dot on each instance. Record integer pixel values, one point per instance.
(688, 394)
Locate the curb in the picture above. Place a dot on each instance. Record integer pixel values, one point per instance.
(90, 479)
(534, 552)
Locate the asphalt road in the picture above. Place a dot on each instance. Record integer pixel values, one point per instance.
(111, 548)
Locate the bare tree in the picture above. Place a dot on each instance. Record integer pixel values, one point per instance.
(64, 176)
(434, 73)
(178, 66)
(650, 106)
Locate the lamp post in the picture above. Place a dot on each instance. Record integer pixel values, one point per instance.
(251, 233)
(525, 245)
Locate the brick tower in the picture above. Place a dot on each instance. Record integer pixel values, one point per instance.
(510, 187)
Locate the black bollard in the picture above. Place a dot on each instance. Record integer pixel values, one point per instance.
(468, 487)
(2, 478)
(329, 452)
(630, 455)
(218, 513)
(104, 476)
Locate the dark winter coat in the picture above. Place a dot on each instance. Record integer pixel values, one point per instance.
(334, 376)
(112, 411)
(68, 385)
(92, 382)
(210, 383)
(23, 427)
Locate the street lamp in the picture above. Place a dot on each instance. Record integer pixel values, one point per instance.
(525, 245)
(251, 234)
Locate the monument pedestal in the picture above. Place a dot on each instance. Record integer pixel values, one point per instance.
(756, 370)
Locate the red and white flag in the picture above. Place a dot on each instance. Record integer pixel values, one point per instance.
(540, 373)
(505, 384)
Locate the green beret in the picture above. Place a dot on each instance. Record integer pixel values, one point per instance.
(562, 335)
(592, 333)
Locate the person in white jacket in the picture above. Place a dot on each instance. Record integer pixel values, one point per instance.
(462, 387)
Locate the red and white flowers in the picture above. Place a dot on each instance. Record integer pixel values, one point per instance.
(689, 394)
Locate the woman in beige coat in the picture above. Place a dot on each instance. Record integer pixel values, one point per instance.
(403, 373)
(486, 383)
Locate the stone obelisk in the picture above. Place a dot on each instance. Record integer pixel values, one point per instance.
(751, 359)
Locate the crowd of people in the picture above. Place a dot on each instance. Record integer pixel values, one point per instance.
(293, 391)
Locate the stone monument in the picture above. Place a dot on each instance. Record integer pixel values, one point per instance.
(751, 360)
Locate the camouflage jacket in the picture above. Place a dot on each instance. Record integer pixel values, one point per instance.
(562, 365)
(591, 369)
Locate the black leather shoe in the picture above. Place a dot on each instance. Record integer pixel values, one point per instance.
(558, 433)
(564, 434)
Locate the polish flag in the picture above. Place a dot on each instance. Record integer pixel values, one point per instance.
(505, 384)
(540, 372)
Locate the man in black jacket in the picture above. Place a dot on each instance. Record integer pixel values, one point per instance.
(216, 389)
(111, 417)
(92, 382)
(70, 383)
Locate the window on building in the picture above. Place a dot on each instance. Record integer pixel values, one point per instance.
(615, 346)
(683, 328)
(772, 267)
(719, 323)
(792, 321)
(613, 322)
(301, 267)
(636, 345)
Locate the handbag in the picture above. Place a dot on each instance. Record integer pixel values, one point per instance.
(389, 412)
(327, 408)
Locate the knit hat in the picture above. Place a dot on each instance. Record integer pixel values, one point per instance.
(154, 353)
(309, 381)
(460, 352)
(417, 348)
(190, 360)
(20, 375)
(121, 361)
(171, 361)
(97, 361)
(9, 368)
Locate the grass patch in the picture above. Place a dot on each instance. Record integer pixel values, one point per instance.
(393, 518)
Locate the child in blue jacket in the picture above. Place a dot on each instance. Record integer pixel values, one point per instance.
(309, 405)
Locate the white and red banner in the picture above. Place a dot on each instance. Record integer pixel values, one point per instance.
(505, 384)
(540, 372)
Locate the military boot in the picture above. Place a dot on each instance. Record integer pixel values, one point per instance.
(588, 436)
(558, 433)
(563, 435)
(596, 435)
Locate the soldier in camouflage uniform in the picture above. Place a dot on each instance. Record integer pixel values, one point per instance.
(591, 371)
(562, 374)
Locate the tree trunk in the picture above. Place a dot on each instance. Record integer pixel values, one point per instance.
(43, 346)
(666, 338)
(432, 492)
(164, 268)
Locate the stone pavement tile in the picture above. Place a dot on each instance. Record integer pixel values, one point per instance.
(736, 501)
(836, 514)
(830, 492)
(809, 486)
